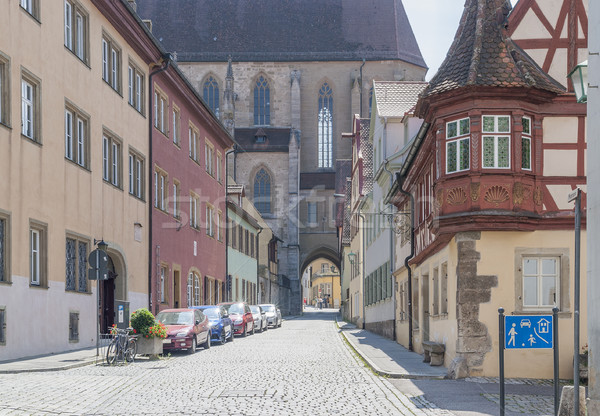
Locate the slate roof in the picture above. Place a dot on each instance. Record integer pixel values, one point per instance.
(366, 149)
(277, 139)
(283, 30)
(396, 98)
(483, 54)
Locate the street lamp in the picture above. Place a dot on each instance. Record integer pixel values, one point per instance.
(579, 78)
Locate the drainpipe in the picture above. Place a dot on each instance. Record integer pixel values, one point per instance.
(392, 254)
(166, 61)
(361, 87)
(227, 153)
(258, 263)
(363, 269)
(410, 256)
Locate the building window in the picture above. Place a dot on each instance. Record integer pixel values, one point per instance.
(325, 127)
(240, 238)
(176, 207)
(76, 29)
(176, 126)
(161, 107)
(444, 289)
(496, 148)
(194, 206)
(111, 63)
(136, 175)
(74, 326)
(312, 214)
(4, 90)
(76, 253)
(37, 254)
(163, 274)
(262, 102)
(111, 160)
(30, 108)
(526, 144)
(457, 145)
(76, 136)
(135, 88)
(540, 282)
(218, 225)
(210, 219)
(209, 155)
(161, 193)
(210, 93)
(262, 192)
(32, 7)
(2, 325)
(194, 143)
(196, 290)
(219, 164)
(4, 271)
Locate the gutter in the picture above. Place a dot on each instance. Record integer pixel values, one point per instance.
(165, 58)
(258, 263)
(363, 271)
(227, 220)
(392, 247)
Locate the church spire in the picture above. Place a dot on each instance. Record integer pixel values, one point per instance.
(228, 113)
(482, 54)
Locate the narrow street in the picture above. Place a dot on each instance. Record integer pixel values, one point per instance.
(303, 368)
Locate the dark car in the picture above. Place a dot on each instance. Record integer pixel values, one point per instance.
(241, 316)
(220, 324)
(186, 329)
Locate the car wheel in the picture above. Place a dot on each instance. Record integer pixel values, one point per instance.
(207, 343)
(223, 337)
(192, 350)
(231, 335)
(279, 324)
(253, 329)
(245, 331)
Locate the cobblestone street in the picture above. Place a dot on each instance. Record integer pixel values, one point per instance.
(303, 368)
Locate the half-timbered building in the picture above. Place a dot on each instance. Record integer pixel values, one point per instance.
(502, 145)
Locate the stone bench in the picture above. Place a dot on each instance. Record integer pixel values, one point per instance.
(433, 353)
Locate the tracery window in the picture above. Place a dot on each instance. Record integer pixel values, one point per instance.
(262, 192)
(210, 93)
(325, 127)
(262, 102)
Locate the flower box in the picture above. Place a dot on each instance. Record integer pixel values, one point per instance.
(149, 346)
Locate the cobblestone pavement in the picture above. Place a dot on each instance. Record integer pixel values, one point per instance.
(303, 368)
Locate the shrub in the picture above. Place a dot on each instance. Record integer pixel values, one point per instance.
(142, 320)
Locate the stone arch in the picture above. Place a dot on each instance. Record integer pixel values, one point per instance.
(271, 85)
(250, 192)
(317, 253)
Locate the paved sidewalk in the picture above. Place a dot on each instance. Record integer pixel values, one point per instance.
(387, 357)
(50, 362)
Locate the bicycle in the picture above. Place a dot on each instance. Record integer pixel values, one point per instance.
(123, 347)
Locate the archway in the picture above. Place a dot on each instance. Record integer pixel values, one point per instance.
(320, 278)
(115, 288)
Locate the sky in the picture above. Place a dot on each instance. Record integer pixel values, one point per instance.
(434, 23)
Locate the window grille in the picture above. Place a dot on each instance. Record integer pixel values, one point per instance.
(3, 277)
(70, 269)
(73, 326)
(82, 278)
(2, 326)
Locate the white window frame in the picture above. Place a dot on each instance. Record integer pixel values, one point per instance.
(111, 63)
(194, 204)
(527, 136)
(209, 153)
(176, 206)
(4, 88)
(496, 151)
(161, 192)
(162, 283)
(539, 276)
(210, 212)
(176, 125)
(161, 106)
(35, 254)
(194, 141)
(219, 167)
(111, 160)
(136, 175)
(76, 28)
(76, 136)
(459, 138)
(28, 109)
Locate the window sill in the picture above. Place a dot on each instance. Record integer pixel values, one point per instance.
(113, 185)
(31, 140)
(34, 286)
(7, 126)
(139, 198)
(78, 165)
(83, 61)
(35, 18)
(73, 341)
(5, 283)
(87, 292)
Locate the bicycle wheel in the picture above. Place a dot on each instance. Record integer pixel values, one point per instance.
(131, 350)
(111, 352)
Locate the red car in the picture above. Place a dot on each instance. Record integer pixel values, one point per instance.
(186, 329)
(241, 316)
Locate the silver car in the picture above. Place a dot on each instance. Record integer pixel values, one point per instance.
(260, 318)
(273, 315)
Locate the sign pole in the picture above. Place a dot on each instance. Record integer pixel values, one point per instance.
(556, 377)
(97, 305)
(501, 356)
(577, 290)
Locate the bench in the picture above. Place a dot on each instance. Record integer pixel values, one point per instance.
(433, 353)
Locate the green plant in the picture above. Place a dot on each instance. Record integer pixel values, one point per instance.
(144, 324)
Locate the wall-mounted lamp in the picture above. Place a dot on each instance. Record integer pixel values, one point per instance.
(579, 78)
(101, 244)
(351, 257)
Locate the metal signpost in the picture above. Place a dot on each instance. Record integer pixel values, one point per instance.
(576, 196)
(528, 332)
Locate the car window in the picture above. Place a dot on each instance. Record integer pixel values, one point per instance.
(247, 308)
(236, 308)
(212, 313)
(176, 318)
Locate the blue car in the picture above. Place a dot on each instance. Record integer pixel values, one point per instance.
(221, 326)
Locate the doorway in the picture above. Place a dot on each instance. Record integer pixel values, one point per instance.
(107, 299)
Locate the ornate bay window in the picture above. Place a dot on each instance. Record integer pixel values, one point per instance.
(526, 144)
(457, 145)
(495, 147)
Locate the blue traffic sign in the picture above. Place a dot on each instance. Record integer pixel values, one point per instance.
(531, 332)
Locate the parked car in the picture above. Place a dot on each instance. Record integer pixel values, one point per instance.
(273, 314)
(186, 329)
(260, 318)
(241, 316)
(221, 326)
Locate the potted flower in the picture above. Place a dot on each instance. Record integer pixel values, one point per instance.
(150, 332)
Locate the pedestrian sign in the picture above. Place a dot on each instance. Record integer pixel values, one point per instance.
(528, 332)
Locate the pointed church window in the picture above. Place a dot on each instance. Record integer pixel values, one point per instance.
(262, 192)
(210, 93)
(325, 127)
(262, 102)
